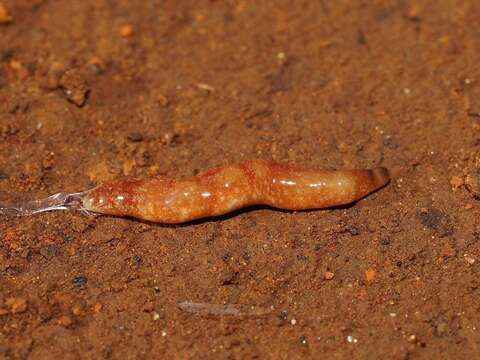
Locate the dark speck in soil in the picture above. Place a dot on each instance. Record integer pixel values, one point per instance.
(49, 251)
(79, 281)
(430, 218)
(6, 55)
(385, 241)
(303, 340)
(353, 230)
(135, 137)
(390, 143)
(361, 38)
(137, 259)
(436, 219)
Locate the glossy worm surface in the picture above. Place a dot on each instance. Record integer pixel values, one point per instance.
(222, 190)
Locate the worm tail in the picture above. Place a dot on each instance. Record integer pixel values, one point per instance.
(300, 189)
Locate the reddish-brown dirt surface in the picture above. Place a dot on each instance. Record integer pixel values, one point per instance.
(94, 90)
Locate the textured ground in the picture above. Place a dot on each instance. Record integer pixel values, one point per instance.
(93, 90)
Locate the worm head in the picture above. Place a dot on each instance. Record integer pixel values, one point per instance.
(115, 198)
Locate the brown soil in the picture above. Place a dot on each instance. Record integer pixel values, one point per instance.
(93, 90)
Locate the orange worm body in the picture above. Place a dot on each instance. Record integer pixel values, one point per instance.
(222, 190)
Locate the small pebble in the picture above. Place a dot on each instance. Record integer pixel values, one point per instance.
(456, 182)
(281, 58)
(206, 87)
(65, 321)
(329, 275)
(448, 250)
(18, 69)
(127, 30)
(472, 183)
(137, 259)
(5, 17)
(153, 170)
(361, 37)
(155, 316)
(6, 55)
(441, 329)
(96, 65)
(303, 340)
(77, 310)
(97, 307)
(129, 166)
(17, 305)
(351, 339)
(281, 319)
(79, 281)
(390, 143)
(74, 87)
(162, 100)
(169, 138)
(135, 137)
(470, 260)
(4, 312)
(413, 12)
(385, 241)
(370, 275)
(354, 231)
(148, 307)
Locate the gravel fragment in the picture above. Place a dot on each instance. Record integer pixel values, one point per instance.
(79, 281)
(456, 182)
(329, 275)
(127, 30)
(74, 87)
(472, 184)
(65, 321)
(5, 17)
(441, 329)
(370, 275)
(135, 137)
(16, 305)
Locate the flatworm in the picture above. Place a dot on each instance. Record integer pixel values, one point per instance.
(222, 190)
